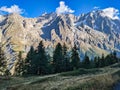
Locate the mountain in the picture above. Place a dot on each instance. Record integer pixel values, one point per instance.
(108, 26)
(94, 33)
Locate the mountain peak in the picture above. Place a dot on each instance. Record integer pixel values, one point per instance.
(14, 15)
(110, 12)
(92, 32)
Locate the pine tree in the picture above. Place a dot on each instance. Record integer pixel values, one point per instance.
(75, 59)
(41, 60)
(66, 59)
(28, 64)
(115, 57)
(3, 62)
(58, 59)
(86, 62)
(111, 58)
(99, 62)
(102, 61)
(96, 64)
(108, 60)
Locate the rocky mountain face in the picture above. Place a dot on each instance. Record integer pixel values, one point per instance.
(93, 33)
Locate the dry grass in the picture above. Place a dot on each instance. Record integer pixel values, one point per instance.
(82, 79)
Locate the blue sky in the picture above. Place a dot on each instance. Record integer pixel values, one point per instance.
(34, 8)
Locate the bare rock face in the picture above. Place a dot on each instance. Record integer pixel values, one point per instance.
(91, 32)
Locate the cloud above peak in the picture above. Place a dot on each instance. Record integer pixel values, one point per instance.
(111, 13)
(96, 7)
(63, 9)
(12, 9)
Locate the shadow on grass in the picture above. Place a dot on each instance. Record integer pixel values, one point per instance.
(81, 71)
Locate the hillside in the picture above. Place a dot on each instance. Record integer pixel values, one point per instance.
(93, 32)
(59, 45)
(85, 79)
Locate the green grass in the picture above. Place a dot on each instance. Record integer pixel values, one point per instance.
(91, 85)
(81, 71)
(115, 66)
(82, 79)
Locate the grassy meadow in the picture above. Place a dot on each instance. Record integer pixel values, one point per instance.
(81, 79)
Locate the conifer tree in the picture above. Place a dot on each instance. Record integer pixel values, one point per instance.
(110, 59)
(29, 62)
(75, 59)
(41, 60)
(58, 58)
(86, 62)
(66, 59)
(99, 62)
(96, 64)
(115, 57)
(102, 61)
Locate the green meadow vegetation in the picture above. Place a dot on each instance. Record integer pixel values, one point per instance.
(63, 72)
(81, 79)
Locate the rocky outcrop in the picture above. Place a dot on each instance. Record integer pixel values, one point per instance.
(91, 32)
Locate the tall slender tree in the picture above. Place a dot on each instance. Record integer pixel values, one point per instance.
(115, 57)
(28, 65)
(41, 60)
(96, 62)
(58, 58)
(66, 59)
(102, 61)
(86, 62)
(75, 59)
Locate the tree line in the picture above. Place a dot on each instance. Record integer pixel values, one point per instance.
(38, 62)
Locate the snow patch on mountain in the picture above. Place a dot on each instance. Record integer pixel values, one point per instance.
(91, 32)
(111, 13)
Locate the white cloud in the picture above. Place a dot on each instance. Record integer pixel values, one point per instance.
(96, 7)
(63, 8)
(12, 9)
(111, 13)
